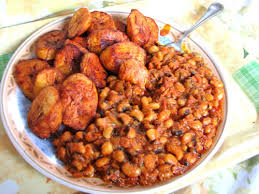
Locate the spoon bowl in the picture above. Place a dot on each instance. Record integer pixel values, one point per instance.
(213, 10)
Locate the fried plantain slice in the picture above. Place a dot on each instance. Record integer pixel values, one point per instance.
(67, 59)
(153, 32)
(101, 20)
(137, 27)
(48, 44)
(79, 100)
(77, 44)
(47, 77)
(25, 71)
(120, 25)
(100, 39)
(113, 56)
(79, 23)
(133, 71)
(92, 68)
(45, 114)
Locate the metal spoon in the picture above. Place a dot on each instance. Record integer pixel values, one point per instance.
(213, 10)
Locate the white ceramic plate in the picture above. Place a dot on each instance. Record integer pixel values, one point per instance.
(41, 154)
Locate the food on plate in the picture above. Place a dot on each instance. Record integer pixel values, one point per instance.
(67, 58)
(113, 56)
(25, 72)
(91, 67)
(153, 32)
(47, 77)
(136, 114)
(100, 39)
(145, 136)
(101, 20)
(45, 114)
(79, 23)
(120, 25)
(133, 71)
(48, 44)
(79, 100)
(138, 28)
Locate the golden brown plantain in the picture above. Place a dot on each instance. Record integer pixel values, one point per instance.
(79, 101)
(47, 77)
(113, 56)
(133, 71)
(67, 59)
(79, 23)
(154, 32)
(120, 25)
(92, 68)
(45, 115)
(100, 39)
(101, 20)
(138, 28)
(25, 71)
(48, 44)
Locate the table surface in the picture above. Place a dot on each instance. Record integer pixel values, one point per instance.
(226, 36)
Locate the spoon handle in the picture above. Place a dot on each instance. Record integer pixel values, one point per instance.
(213, 10)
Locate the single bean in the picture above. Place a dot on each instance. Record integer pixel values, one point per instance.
(137, 114)
(130, 170)
(153, 49)
(77, 164)
(88, 150)
(150, 116)
(89, 171)
(179, 87)
(206, 120)
(151, 134)
(190, 158)
(66, 137)
(79, 135)
(184, 111)
(160, 55)
(118, 156)
(104, 93)
(107, 132)
(164, 115)
(126, 119)
(77, 147)
(187, 137)
(209, 97)
(150, 161)
(163, 140)
(131, 133)
(181, 101)
(196, 125)
(107, 148)
(176, 150)
(169, 123)
(102, 162)
(208, 143)
(170, 159)
(154, 105)
(61, 153)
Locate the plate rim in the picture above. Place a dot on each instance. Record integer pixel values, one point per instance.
(220, 70)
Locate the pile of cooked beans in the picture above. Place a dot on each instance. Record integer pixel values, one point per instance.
(146, 136)
(133, 112)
